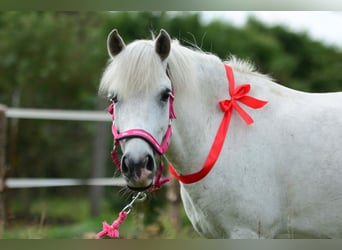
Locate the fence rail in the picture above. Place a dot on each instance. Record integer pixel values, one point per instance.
(63, 115)
(55, 114)
(61, 182)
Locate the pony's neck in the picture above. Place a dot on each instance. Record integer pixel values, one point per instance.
(196, 103)
(200, 82)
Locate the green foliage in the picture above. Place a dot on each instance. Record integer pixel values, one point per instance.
(67, 218)
(46, 58)
(55, 59)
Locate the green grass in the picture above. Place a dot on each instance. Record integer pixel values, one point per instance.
(68, 218)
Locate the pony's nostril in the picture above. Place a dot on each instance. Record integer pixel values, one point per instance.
(124, 165)
(149, 163)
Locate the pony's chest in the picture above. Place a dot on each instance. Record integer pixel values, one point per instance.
(216, 214)
(204, 214)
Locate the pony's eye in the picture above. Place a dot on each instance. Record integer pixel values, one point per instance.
(164, 97)
(114, 99)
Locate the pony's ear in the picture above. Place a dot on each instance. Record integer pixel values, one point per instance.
(163, 44)
(115, 44)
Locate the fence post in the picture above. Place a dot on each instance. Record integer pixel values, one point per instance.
(100, 156)
(2, 169)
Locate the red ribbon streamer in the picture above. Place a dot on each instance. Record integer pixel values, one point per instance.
(227, 106)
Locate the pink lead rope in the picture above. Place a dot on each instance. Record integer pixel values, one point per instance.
(113, 229)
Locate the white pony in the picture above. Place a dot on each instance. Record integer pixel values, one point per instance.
(280, 176)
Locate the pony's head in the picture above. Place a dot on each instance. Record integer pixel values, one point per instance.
(137, 83)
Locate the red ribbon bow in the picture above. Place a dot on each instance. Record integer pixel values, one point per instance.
(227, 106)
(240, 94)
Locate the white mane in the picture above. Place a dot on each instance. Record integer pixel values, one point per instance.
(135, 68)
(135, 65)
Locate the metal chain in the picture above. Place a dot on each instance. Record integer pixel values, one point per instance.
(141, 196)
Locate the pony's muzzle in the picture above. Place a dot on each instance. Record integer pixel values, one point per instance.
(138, 171)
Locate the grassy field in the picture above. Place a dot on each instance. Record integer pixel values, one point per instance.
(68, 218)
